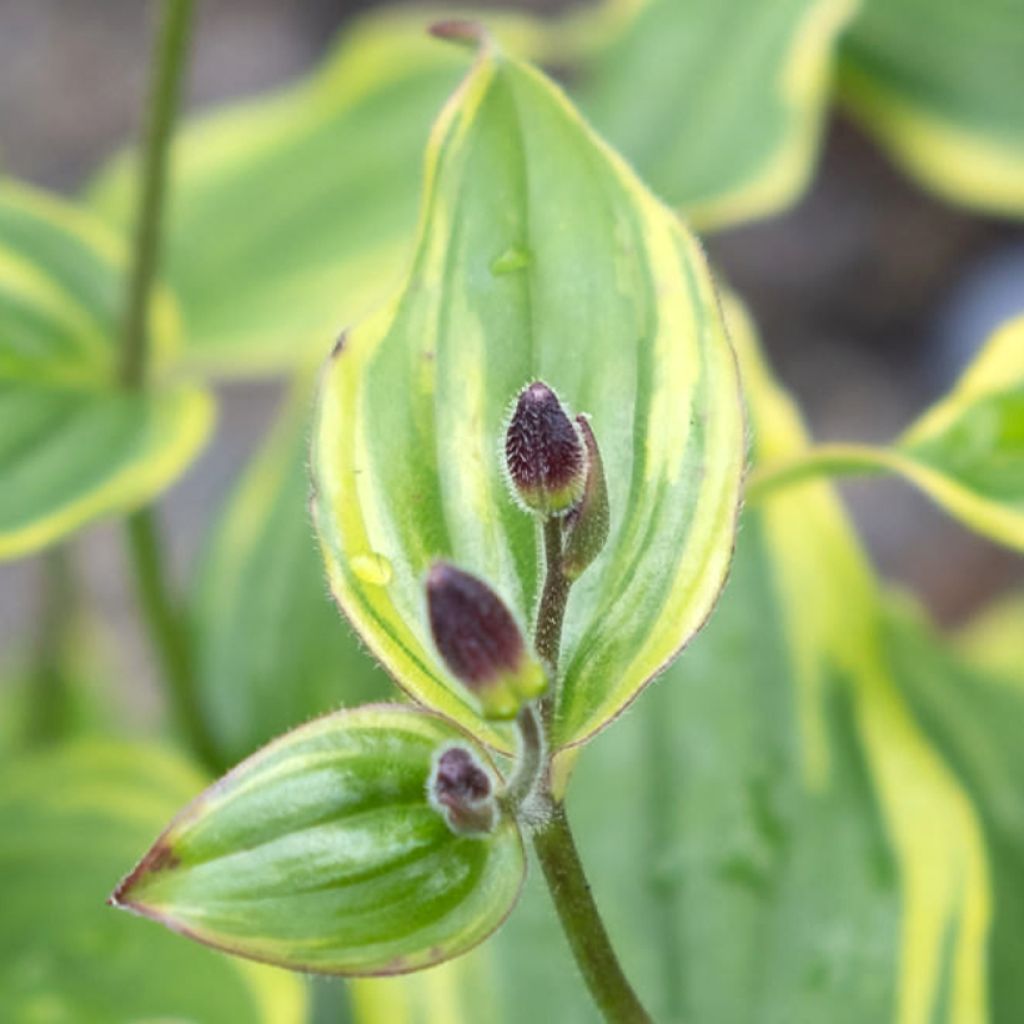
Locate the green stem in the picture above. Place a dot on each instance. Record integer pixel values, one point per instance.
(553, 841)
(822, 460)
(530, 764)
(171, 50)
(49, 711)
(164, 620)
(582, 923)
(168, 633)
(547, 636)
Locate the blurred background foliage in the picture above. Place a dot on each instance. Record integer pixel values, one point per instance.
(857, 172)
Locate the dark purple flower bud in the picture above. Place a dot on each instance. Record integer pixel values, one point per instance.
(462, 790)
(480, 642)
(545, 457)
(587, 522)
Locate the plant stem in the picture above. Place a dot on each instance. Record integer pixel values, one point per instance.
(49, 712)
(553, 840)
(821, 460)
(530, 764)
(547, 636)
(170, 52)
(164, 620)
(582, 923)
(168, 633)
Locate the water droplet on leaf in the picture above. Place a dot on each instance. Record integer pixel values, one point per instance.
(372, 567)
(512, 259)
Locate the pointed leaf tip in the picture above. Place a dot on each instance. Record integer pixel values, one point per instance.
(461, 31)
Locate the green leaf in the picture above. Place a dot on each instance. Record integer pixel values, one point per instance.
(784, 810)
(719, 104)
(69, 820)
(940, 84)
(614, 307)
(74, 446)
(321, 852)
(271, 650)
(966, 453)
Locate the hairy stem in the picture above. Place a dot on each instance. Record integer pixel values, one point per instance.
(553, 840)
(530, 764)
(164, 620)
(582, 924)
(547, 636)
(170, 54)
(168, 633)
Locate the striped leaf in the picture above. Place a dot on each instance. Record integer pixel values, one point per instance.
(74, 446)
(719, 104)
(322, 852)
(967, 452)
(540, 256)
(940, 83)
(69, 820)
(271, 650)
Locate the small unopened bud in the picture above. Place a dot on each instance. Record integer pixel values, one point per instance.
(586, 525)
(480, 642)
(546, 459)
(462, 790)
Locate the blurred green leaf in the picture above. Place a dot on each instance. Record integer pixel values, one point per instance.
(69, 820)
(74, 446)
(994, 639)
(613, 306)
(976, 719)
(966, 452)
(940, 83)
(271, 648)
(322, 852)
(718, 104)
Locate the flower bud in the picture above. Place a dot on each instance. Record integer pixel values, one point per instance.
(546, 459)
(586, 524)
(480, 642)
(462, 790)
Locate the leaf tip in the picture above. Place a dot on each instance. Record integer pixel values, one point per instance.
(160, 857)
(462, 32)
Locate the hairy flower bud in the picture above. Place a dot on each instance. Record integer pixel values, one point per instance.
(586, 525)
(546, 459)
(480, 642)
(462, 790)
